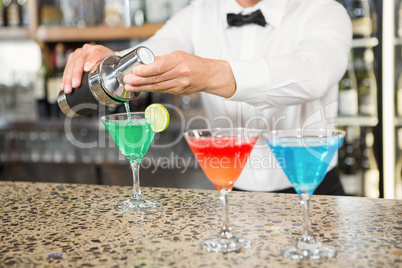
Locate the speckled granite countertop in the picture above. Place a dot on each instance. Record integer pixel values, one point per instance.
(73, 225)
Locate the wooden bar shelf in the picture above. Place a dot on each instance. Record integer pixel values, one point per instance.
(14, 33)
(96, 33)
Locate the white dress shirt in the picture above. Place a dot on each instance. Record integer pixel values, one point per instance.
(286, 72)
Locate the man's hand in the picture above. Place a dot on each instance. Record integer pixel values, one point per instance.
(82, 59)
(182, 73)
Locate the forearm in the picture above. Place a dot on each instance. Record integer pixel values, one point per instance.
(219, 79)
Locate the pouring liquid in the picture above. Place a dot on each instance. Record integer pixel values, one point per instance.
(127, 106)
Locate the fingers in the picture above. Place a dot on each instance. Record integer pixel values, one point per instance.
(66, 83)
(135, 81)
(166, 83)
(94, 56)
(168, 74)
(168, 86)
(82, 59)
(160, 66)
(73, 70)
(163, 69)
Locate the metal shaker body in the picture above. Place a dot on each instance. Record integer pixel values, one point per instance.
(104, 85)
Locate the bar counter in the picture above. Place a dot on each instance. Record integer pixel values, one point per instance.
(75, 225)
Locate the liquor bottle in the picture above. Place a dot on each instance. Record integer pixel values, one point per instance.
(55, 77)
(86, 13)
(399, 96)
(50, 13)
(135, 13)
(399, 17)
(367, 84)
(1, 13)
(398, 168)
(113, 13)
(350, 171)
(371, 174)
(157, 11)
(71, 10)
(12, 13)
(347, 99)
(374, 17)
(40, 87)
(24, 12)
(361, 15)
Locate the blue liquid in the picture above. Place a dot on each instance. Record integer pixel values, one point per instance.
(305, 162)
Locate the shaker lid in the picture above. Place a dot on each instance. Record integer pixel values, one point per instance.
(113, 69)
(145, 55)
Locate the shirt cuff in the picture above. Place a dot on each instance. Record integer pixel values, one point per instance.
(252, 78)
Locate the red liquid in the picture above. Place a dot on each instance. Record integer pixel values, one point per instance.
(222, 158)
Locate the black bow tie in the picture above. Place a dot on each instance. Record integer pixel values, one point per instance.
(238, 20)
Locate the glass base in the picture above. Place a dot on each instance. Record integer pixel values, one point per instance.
(223, 244)
(300, 250)
(136, 205)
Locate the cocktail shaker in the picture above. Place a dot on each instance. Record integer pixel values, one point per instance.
(104, 84)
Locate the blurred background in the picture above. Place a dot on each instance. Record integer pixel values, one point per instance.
(36, 37)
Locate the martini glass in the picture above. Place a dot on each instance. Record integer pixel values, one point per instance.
(222, 155)
(133, 135)
(305, 156)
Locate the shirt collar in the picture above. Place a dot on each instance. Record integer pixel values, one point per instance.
(273, 10)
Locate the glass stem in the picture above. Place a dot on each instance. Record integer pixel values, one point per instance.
(307, 236)
(224, 197)
(135, 167)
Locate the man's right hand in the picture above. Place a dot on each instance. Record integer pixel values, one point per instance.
(82, 59)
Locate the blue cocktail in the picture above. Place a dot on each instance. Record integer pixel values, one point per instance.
(305, 156)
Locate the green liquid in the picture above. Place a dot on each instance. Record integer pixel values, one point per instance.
(132, 138)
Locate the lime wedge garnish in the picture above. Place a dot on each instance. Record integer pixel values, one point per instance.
(157, 116)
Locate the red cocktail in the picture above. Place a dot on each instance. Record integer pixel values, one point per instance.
(222, 155)
(222, 158)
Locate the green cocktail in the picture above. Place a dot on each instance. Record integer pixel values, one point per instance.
(132, 138)
(133, 135)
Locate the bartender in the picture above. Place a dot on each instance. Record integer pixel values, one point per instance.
(257, 63)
